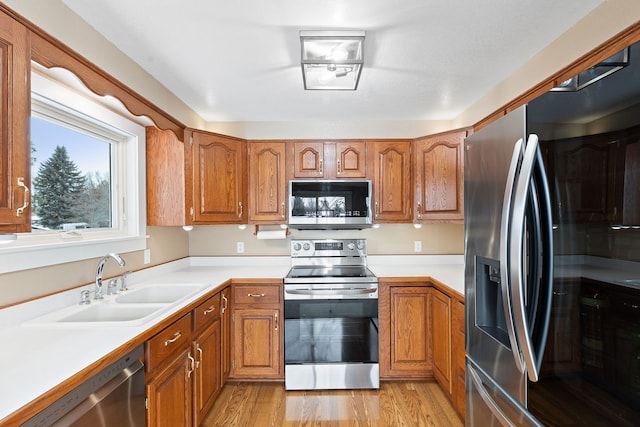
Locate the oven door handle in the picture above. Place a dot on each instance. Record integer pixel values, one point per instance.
(350, 291)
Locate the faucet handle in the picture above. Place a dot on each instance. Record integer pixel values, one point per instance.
(123, 281)
(111, 286)
(84, 297)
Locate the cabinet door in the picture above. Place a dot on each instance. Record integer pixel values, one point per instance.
(15, 154)
(408, 332)
(441, 338)
(169, 394)
(256, 343)
(207, 374)
(582, 167)
(225, 315)
(439, 175)
(351, 159)
(218, 166)
(392, 181)
(165, 178)
(458, 354)
(267, 182)
(308, 159)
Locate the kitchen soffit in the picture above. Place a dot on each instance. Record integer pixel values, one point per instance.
(240, 61)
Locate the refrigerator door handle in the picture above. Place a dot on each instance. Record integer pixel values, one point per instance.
(517, 256)
(505, 231)
(486, 398)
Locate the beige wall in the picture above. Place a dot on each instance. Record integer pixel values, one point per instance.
(389, 239)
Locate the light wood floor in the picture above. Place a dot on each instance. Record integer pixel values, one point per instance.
(397, 404)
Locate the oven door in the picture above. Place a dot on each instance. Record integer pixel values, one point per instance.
(331, 343)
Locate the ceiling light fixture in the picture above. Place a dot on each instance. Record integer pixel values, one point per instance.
(331, 60)
(599, 71)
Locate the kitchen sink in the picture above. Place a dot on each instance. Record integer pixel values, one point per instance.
(163, 294)
(111, 313)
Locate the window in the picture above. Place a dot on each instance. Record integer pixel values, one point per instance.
(87, 181)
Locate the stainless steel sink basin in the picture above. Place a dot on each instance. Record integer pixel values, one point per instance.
(111, 313)
(163, 294)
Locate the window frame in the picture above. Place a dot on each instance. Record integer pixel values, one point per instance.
(60, 94)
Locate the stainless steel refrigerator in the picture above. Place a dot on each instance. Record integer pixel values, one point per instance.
(552, 309)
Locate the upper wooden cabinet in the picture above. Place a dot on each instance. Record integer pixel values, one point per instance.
(267, 182)
(439, 177)
(392, 189)
(216, 189)
(15, 106)
(328, 159)
(165, 178)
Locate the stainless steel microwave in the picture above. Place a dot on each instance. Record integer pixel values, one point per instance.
(329, 204)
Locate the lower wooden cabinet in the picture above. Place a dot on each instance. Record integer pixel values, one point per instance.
(422, 336)
(257, 332)
(403, 334)
(185, 365)
(207, 352)
(441, 338)
(169, 393)
(168, 377)
(458, 354)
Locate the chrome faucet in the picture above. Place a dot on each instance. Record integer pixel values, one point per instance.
(101, 264)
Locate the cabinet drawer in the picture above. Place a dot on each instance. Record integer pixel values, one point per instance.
(172, 339)
(256, 294)
(207, 312)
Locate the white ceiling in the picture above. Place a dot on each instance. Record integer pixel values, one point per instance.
(239, 60)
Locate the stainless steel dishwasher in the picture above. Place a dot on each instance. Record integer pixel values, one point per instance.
(114, 397)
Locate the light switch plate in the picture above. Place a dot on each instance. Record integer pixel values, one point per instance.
(147, 256)
(417, 246)
(240, 247)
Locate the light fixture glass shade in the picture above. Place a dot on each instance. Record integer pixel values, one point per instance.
(331, 60)
(597, 72)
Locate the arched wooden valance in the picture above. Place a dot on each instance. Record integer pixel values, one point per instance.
(50, 53)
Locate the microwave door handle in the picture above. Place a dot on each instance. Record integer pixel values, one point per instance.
(517, 256)
(507, 212)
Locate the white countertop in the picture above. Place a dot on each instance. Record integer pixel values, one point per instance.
(37, 357)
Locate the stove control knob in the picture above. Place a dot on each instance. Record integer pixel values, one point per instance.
(360, 245)
(351, 246)
(297, 246)
(306, 246)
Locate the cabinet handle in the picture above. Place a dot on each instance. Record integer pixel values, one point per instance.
(240, 214)
(255, 295)
(276, 317)
(377, 209)
(25, 202)
(339, 170)
(175, 338)
(192, 363)
(225, 300)
(209, 310)
(419, 210)
(199, 350)
(283, 211)
(321, 170)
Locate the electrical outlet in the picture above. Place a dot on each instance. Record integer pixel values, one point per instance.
(147, 256)
(417, 246)
(240, 247)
